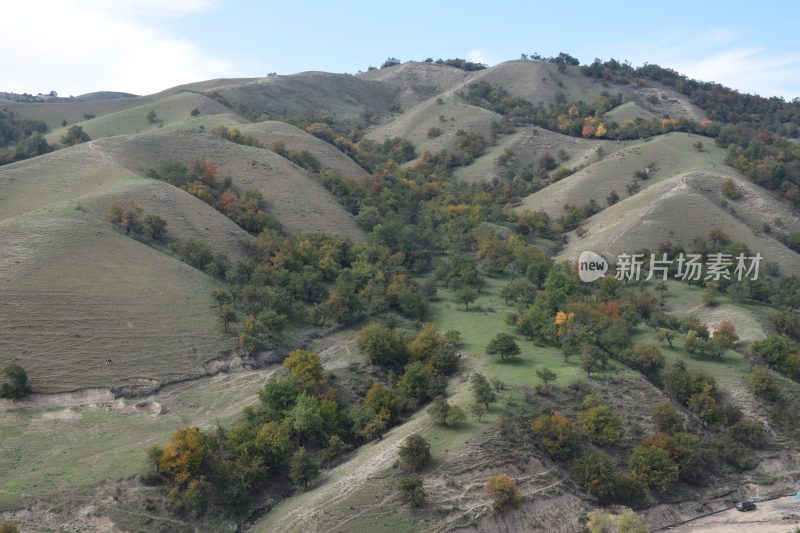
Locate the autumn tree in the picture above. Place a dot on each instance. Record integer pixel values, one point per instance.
(504, 493)
(305, 368)
(186, 456)
(127, 214)
(557, 435)
(596, 472)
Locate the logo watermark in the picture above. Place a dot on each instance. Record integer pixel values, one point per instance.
(686, 267)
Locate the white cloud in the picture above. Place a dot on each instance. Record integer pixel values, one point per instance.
(721, 55)
(90, 45)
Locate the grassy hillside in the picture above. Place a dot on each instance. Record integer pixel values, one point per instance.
(677, 210)
(672, 154)
(296, 139)
(173, 110)
(295, 198)
(78, 292)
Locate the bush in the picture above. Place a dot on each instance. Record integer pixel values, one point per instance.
(444, 413)
(625, 522)
(763, 384)
(16, 385)
(558, 435)
(504, 492)
(412, 491)
(75, 135)
(730, 189)
(666, 417)
(653, 466)
(749, 431)
(596, 473)
(415, 452)
(598, 423)
(434, 132)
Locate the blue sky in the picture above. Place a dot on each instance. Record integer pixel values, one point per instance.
(143, 46)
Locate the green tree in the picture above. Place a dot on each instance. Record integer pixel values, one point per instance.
(504, 345)
(647, 359)
(16, 385)
(482, 391)
(654, 467)
(546, 375)
(466, 295)
(306, 418)
(383, 346)
(444, 413)
(415, 452)
(596, 473)
(151, 117)
(416, 383)
(302, 468)
(598, 422)
(663, 334)
(75, 135)
(226, 315)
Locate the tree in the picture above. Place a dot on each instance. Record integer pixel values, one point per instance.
(466, 295)
(415, 452)
(503, 344)
(306, 419)
(75, 135)
(597, 474)
(711, 293)
(763, 384)
(383, 346)
(186, 456)
(482, 391)
(504, 493)
(416, 383)
(666, 417)
(726, 334)
(151, 117)
(647, 359)
(546, 375)
(749, 431)
(305, 368)
(226, 315)
(445, 414)
(598, 423)
(154, 227)
(653, 466)
(557, 435)
(663, 334)
(16, 385)
(127, 214)
(302, 468)
(412, 491)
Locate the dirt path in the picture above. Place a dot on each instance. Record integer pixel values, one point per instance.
(776, 516)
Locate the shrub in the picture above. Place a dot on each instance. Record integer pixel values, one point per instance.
(596, 473)
(504, 492)
(411, 490)
(598, 423)
(730, 189)
(75, 135)
(434, 132)
(444, 413)
(666, 417)
(763, 384)
(558, 435)
(16, 385)
(653, 466)
(625, 522)
(749, 431)
(415, 452)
